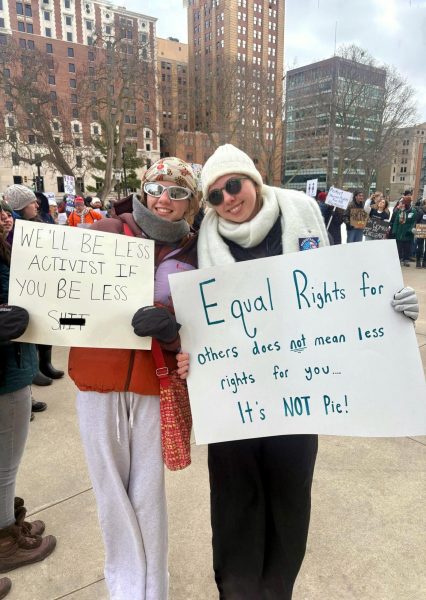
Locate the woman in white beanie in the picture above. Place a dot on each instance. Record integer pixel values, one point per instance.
(260, 488)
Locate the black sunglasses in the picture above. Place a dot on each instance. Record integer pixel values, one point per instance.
(232, 186)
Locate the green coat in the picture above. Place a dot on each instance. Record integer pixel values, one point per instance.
(402, 231)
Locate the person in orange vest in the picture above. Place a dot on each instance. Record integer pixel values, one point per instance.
(82, 216)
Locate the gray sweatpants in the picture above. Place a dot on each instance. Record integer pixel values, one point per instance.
(15, 412)
(122, 441)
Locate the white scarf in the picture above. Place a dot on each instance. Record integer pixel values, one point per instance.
(300, 218)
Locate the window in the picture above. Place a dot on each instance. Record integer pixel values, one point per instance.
(91, 55)
(89, 25)
(28, 11)
(9, 105)
(60, 184)
(30, 28)
(69, 36)
(68, 20)
(77, 142)
(49, 48)
(53, 96)
(71, 68)
(22, 43)
(95, 130)
(108, 29)
(1, 22)
(57, 141)
(70, 52)
(46, 14)
(67, 3)
(19, 8)
(75, 113)
(21, 26)
(55, 111)
(73, 98)
(48, 32)
(76, 128)
(31, 139)
(55, 125)
(73, 83)
(51, 79)
(91, 71)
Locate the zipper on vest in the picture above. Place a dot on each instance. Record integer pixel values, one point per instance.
(129, 372)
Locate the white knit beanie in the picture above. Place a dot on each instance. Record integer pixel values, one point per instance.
(19, 196)
(225, 160)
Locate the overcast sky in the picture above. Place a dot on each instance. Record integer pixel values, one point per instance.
(393, 31)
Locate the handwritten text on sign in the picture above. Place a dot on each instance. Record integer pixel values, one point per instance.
(338, 198)
(80, 287)
(301, 344)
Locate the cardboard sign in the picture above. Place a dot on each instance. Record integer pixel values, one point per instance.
(80, 287)
(69, 184)
(376, 228)
(338, 198)
(358, 218)
(420, 231)
(312, 187)
(301, 344)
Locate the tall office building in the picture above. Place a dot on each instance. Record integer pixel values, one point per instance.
(66, 32)
(172, 61)
(332, 115)
(236, 55)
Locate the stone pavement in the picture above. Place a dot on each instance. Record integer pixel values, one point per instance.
(367, 537)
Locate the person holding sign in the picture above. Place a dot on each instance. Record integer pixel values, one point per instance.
(260, 488)
(21, 542)
(118, 402)
(355, 218)
(376, 207)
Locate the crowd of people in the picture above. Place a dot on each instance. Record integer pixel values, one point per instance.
(260, 488)
(402, 224)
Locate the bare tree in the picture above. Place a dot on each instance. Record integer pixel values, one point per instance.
(113, 95)
(36, 125)
(370, 104)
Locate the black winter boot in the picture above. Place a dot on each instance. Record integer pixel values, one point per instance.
(5, 585)
(45, 362)
(40, 379)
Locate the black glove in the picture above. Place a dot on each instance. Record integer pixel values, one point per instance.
(13, 322)
(156, 322)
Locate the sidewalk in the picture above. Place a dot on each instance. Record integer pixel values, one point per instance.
(367, 535)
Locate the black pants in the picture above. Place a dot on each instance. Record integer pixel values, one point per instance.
(404, 250)
(260, 509)
(421, 249)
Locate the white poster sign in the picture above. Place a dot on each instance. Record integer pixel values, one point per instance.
(301, 344)
(312, 187)
(69, 184)
(80, 287)
(338, 198)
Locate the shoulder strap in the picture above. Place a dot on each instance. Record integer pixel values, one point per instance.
(161, 369)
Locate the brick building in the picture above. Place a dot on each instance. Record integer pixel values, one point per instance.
(236, 54)
(66, 31)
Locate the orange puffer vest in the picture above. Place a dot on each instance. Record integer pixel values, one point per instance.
(120, 370)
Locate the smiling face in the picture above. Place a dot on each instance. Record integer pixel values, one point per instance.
(164, 207)
(6, 221)
(240, 207)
